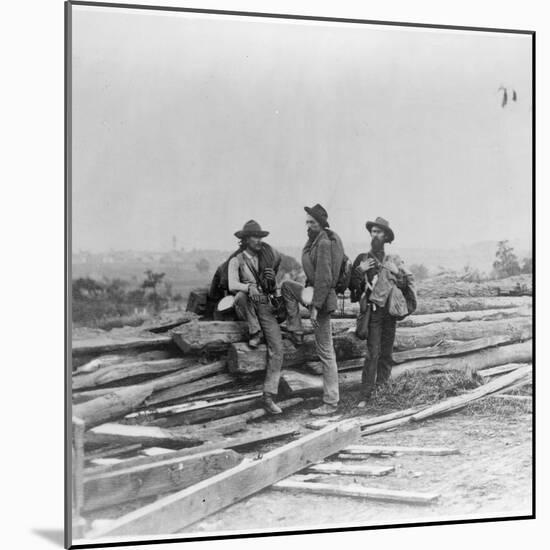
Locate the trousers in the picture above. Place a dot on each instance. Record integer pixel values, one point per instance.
(381, 336)
(260, 317)
(291, 291)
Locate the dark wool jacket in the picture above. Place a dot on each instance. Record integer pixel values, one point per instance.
(321, 260)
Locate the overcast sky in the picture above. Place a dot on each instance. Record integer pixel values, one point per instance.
(190, 125)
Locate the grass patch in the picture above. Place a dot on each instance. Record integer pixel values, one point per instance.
(413, 389)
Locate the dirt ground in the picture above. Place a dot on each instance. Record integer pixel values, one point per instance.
(491, 477)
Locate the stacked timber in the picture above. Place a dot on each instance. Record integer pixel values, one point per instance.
(160, 408)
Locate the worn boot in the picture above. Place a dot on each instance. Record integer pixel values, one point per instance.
(270, 406)
(324, 410)
(297, 338)
(255, 340)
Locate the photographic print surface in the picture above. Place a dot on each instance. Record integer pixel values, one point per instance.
(300, 274)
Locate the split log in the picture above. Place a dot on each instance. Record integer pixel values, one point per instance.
(183, 390)
(172, 473)
(208, 414)
(428, 305)
(255, 414)
(454, 347)
(454, 403)
(153, 435)
(176, 511)
(464, 316)
(209, 336)
(193, 405)
(114, 343)
(444, 305)
(242, 360)
(491, 357)
(356, 491)
(113, 450)
(129, 357)
(112, 373)
(443, 348)
(338, 468)
(301, 383)
(502, 369)
(408, 338)
(111, 406)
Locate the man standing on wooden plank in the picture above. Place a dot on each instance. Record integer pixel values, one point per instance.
(322, 260)
(251, 277)
(385, 290)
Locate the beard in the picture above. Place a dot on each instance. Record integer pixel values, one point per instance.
(377, 244)
(311, 233)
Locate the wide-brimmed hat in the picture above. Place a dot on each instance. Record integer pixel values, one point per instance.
(251, 229)
(384, 225)
(318, 213)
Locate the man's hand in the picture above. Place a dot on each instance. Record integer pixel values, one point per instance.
(313, 317)
(367, 264)
(254, 293)
(269, 274)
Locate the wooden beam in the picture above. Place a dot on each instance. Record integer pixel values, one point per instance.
(445, 348)
(356, 491)
(502, 369)
(243, 360)
(111, 406)
(393, 449)
(112, 373)
(173, 473)
(113, 450)
(464, 316)
(153, 435)
(115, 342)
(186, 389)
(176, 511)
(338, 468)
(513, 353)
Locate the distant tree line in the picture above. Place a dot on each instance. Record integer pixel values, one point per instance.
(96, 301)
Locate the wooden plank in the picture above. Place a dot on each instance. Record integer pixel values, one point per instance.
(114, 343)
(395, 449)
(153, 435)
(154, 478)
(460, 401)
(176, 511)
(502, 369)
(513, 353)
(186, 389)
(356, 491)
(464, 316)
(111, 406)
(255, 414)
(194, 405)
(429, 306)
(341, 469)
(112, 373)
(454, 347)
(113, 450)
(243, 360)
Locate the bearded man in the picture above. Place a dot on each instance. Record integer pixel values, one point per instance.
(373, 278)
